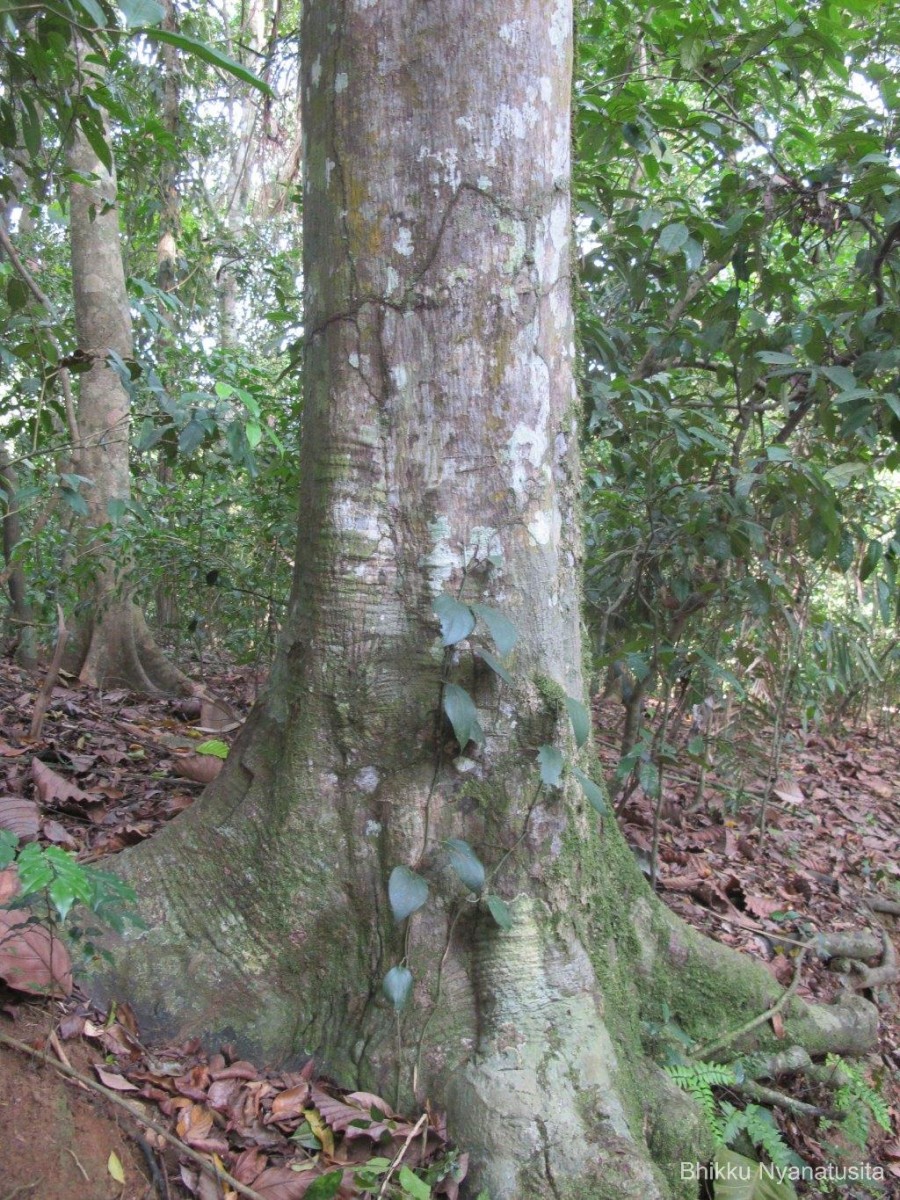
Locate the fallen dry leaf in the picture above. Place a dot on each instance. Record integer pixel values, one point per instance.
(281, 1183)
(114, 1081)
(761, 906)
(21, 817)
(202, 768)
(31, 959)
(53, 789)
(790, 793)
(217, 716)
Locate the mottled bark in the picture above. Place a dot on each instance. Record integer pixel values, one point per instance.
(166, 597)
(439, 456)
(113, 645)
(23, 623)
(246, 121)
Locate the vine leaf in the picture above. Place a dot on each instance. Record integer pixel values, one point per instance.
(581, 720)
(457, 619)
(592, 791)
(501, 629)
(462, 715)
(397, 986)
(496, 666)
(407, 892)
(551, 764)
(499, 910)
(466, 864)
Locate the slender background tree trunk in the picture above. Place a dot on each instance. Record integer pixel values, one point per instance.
(113, 645)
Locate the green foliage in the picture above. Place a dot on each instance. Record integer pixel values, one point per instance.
(214, 747)
(858, 1101)
(465, 864)
(698, 1080)
(738, 321)
(397, 987)
(758, 1124)
(407, 892)
(462, 715)
(52, 883)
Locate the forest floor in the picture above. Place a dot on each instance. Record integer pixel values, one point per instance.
(108, 770)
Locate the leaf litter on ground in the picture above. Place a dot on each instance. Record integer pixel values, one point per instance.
(106, 775)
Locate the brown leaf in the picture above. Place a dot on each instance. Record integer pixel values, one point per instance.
(114, 1081)
(21, 817)
(238, 1070)
(761, 906)
(31, 960)
(217, 716)
(790, 793)
(290, 1103)
(281, 1183)
(195, 1122)
(341, 1117)
(202, 768)
(53, 789)
(71, 1026)
(248, 1165)
(9, 885)
(55, 833)
(222, 1094)
(369, 1100)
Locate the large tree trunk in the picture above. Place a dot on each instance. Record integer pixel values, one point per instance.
(113, 645)
(439, 458)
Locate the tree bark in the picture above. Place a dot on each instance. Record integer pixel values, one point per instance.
(439, 458)
(20, 609)
(112, 646)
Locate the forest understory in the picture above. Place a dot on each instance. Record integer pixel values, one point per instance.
(109, 769)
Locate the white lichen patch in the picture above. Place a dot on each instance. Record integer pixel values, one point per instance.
(399, 377)
(367, 780)
(527, 446)
(447, 162)
(484, 545)
(441, 561)
(403, 242)
(353, 360)
(357, 517)
(340, 82)
(329, 167)
(546, 87)
(508, 123)
(541, 528)
(552, 243)
(315, 71)
(373, 828)
(560, 25)
(511, 32)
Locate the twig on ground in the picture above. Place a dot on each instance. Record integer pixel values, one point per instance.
(42, 700)
(719, 1043)
(217, 1173)
(398, 1157)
